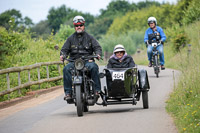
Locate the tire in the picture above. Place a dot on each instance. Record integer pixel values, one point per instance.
(79, 101)
(145, 99)
(86, 108)
(156, 69)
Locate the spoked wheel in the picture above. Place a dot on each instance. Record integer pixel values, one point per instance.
(156, 69)
(145, 99)
(79, 101)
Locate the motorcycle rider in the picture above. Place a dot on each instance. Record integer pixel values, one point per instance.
(80, 44)
(150, 35)
(120, 59)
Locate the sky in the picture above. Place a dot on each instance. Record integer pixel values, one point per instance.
(38, 10)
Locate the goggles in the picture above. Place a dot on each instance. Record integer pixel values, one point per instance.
(78, 21)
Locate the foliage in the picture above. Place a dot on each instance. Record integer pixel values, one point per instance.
(137, 20)
(131, 41)
(64, 32)
(99, 27)
(146, 4)
(64, 15)
(193, 12)
(115, 8)
(57, 16)
(41, 29)
(184, 101)
(35, 51)
(179, 9)
(178, 37)
(6, 16)
(12, 43)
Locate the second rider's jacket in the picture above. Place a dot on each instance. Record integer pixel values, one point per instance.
(150, 34)
(78, 45)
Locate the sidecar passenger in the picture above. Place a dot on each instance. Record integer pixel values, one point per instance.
(120, 59)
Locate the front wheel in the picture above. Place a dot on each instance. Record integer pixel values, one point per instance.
(79, 100)
(156, 67)
(145, 99)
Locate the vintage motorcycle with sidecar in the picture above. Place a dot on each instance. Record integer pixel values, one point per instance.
(123, 86)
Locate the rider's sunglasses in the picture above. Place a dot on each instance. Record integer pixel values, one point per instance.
(79, 25)
(120, 52)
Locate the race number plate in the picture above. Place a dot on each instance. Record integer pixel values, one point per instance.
(118, 75)
(154, 44)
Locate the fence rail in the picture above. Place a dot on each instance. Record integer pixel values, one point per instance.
(29, 83)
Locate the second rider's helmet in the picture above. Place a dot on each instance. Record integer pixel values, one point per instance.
(119, 48)
(152, 19)
(78, 20)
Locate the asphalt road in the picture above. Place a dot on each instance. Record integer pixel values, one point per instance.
(56, 116)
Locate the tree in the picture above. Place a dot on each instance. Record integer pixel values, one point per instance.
(64, 15)
(28, 22)
(181, 6)
(6, 16)
(116, 8)
(41, 28)
(192, 14)
(145, 4)
(57, 16)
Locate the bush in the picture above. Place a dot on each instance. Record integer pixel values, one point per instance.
(64, 32)
(12, 43)
(178, 37)
(131, 41)
(193, 12)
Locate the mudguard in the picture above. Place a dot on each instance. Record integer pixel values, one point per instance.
(77, 80)
(143, 79)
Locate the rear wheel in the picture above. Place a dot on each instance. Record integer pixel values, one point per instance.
(145, 99)
(79, 101)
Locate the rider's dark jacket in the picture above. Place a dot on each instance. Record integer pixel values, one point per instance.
(80, 44)
(126, 62)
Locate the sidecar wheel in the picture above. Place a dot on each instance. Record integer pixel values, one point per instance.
(145, 99)
(79, 101)
(86, 108)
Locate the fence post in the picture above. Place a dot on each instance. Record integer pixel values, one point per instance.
(189, 51)
(29, 76)
(38, 70)
(47, 72)
(19, 83)
(59, 69)
(8, 83)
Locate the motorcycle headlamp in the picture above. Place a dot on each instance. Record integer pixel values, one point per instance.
(79, 64)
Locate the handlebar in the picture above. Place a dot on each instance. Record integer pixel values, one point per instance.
(83, 57)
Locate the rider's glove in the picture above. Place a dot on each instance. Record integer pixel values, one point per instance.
(147, 43)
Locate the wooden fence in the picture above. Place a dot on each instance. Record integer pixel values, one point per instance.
(29, 83)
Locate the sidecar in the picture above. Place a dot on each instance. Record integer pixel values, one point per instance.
(124, 86)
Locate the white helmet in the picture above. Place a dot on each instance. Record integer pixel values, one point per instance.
(78, 20)
(152, 19)
(119, 48)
